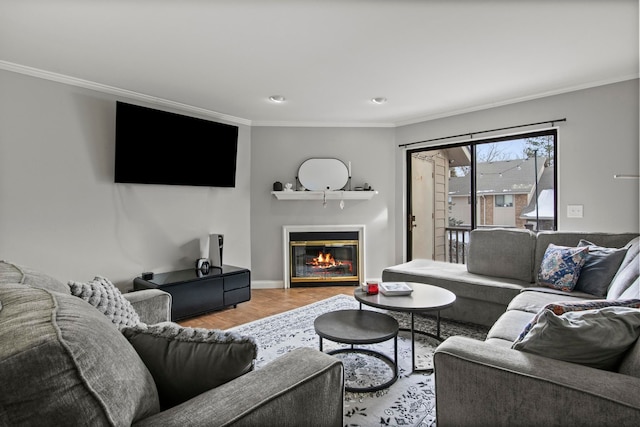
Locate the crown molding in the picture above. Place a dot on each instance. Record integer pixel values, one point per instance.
(86, 84)
(73, 81)
(451, 113)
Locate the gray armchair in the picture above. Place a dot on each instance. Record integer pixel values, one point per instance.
(63, 362)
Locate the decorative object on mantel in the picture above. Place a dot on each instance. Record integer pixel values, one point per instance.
(277, 186)
(323, 179)
(319, 195)
(288, 186)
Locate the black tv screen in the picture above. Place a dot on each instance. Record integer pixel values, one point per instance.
(158, 147)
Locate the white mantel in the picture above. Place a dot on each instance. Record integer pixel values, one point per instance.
(326, 195)
(288, 229)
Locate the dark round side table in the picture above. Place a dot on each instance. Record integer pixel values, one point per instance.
(358, 327)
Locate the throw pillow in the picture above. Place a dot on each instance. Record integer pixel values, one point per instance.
(186, 362)
(600, 266)
(103, 295)
(560, 267)
(597, 338)
(559, 308)
(14, 273)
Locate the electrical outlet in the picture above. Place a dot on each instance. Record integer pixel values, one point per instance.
(574, 211)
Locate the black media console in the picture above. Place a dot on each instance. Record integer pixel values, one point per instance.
(194, 293)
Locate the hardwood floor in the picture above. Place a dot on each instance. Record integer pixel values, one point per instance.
(263, 303)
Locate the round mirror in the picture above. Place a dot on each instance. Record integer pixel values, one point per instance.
(323, 174)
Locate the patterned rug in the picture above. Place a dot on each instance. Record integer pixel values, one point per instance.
(410, 401)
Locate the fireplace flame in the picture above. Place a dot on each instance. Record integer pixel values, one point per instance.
(325, 260)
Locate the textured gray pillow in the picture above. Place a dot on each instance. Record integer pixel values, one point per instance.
(14, 273)
(186, 362)
(64, 363)
(103, 295)
(600, 265)
(597, 338)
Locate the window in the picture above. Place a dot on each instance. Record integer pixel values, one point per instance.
(504, 201)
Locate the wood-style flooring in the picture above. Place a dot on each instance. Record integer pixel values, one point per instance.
(263, 303)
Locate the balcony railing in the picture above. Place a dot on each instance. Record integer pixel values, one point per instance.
(458, 243)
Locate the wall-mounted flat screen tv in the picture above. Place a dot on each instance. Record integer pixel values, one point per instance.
(158, 147)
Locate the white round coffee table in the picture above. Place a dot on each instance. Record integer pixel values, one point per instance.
(424, 299)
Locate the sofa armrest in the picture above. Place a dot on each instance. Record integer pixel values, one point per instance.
(152, 305)
(480, 383)
(303, 387)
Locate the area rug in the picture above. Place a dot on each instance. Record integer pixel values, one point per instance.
(410, 401)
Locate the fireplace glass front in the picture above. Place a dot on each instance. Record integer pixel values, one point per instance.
(324, 258)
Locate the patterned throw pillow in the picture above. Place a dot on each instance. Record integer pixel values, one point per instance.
(103, 295)
(186, 362)
(559, 308)
(561, 266)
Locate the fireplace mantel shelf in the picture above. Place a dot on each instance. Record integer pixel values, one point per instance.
(320, 195)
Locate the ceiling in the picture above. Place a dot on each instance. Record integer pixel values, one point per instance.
(328, 58)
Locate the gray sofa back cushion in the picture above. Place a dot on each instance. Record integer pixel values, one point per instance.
(14, 273)
(62, 361)
(572, 238)
(504, 253)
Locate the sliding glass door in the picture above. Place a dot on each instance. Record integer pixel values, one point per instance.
(499, 182)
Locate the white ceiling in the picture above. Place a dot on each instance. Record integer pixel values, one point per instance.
(328, 58)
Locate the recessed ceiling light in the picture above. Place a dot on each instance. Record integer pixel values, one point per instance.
(277, 98)
(379, 100)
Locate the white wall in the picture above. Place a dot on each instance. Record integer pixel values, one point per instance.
(276, 154)
(599, 139)
(60, 211)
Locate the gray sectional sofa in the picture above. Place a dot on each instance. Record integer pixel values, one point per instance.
(64, 362)
(501, 264)
(491, 382)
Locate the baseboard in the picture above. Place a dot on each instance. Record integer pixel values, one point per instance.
(267, 284)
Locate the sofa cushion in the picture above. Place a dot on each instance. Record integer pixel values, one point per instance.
(457, 279)
(214, 358)
(534, 299)
(513, 247)
(600, 266)
(62, 362)
(598, 337)
(628, 272)
(561, 266)
(103, 295)
(14, 273)
(509, 326)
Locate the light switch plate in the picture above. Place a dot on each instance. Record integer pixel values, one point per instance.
(575, 211)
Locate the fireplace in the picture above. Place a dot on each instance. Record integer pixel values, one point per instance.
(323, 256)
